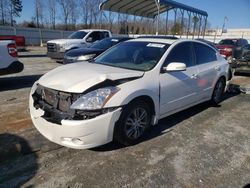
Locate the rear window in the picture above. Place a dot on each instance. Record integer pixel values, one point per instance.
(204, 54)
(228, 42)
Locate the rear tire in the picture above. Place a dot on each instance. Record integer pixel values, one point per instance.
(133, 123)
(218, 91)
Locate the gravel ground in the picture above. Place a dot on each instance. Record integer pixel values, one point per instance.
(204, 146)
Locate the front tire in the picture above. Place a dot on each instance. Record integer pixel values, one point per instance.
(133, 123)
(218, 91)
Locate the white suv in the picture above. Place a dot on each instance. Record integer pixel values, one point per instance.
(125, 90)
(8, 58)
(79, 39)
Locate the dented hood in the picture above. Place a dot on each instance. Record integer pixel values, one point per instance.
(78, 77)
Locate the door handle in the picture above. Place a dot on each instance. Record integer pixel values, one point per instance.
(194, 76)
(217, 68)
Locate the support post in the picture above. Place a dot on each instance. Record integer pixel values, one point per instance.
(204, 29)
(200, 19)
(134, 26)
(195, 20)
(189, 22)
(158, 16)
(175, 15)
(167, 24)
(182, 22)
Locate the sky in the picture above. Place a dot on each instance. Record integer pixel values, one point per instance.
(237, 11)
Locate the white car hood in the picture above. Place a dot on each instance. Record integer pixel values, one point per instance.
(78, 77)
(64, 41)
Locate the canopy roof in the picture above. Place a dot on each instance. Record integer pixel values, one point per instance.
(146, 8)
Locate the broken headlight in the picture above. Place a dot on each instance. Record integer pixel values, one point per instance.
(94, 100)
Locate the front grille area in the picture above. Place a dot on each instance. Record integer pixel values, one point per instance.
(51, 47)
(56, 105)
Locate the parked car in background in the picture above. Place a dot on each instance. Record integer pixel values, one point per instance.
(125, 91)
(85, 54)
(241, 60)
(227, 47)
(79, 39)
(242, 54)
(208, 42)
(8, 58)
(19, 40)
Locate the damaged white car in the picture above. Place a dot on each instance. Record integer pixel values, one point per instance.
(125, 90)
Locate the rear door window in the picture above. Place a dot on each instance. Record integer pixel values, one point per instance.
(204, 54)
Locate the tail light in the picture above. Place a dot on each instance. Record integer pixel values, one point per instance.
(12, 50)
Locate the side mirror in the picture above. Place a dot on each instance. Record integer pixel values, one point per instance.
(90, 39)
(175, 66)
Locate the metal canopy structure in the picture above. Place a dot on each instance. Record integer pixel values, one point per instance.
(152, 9)
(146, 8)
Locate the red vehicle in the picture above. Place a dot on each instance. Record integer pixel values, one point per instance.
(227, 47)
(20, 40)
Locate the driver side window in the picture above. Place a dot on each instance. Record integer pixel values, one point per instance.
(181, 53)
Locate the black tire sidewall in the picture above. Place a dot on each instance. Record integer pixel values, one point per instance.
(119, 131)
(213, 100)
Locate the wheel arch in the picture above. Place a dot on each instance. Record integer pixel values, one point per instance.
(147, 99)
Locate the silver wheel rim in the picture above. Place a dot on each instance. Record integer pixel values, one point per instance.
(218, 91)
(136, 123)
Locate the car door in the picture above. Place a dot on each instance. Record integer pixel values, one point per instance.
(179, 89)
(208, 68)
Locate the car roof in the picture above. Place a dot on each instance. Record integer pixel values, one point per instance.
(158, 40)
(234, 39)
(159, 36)
(119, 38)
(88, 30)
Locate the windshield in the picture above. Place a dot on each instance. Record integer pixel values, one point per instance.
(227, 42)
(141, 56)
(78, 35)
(104, 44)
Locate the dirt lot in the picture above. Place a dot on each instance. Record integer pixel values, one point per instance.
(204, 146)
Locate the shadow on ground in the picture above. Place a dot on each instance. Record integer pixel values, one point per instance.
(13, 83)
(18, 163)
(32, 55)
(165, 125)
(247, 186)
(246, 73)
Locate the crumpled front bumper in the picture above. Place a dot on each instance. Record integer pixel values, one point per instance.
(77, 134)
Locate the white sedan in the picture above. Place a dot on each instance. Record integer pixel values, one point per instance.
(125, 91)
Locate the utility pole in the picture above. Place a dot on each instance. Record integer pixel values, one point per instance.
(224, 24)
